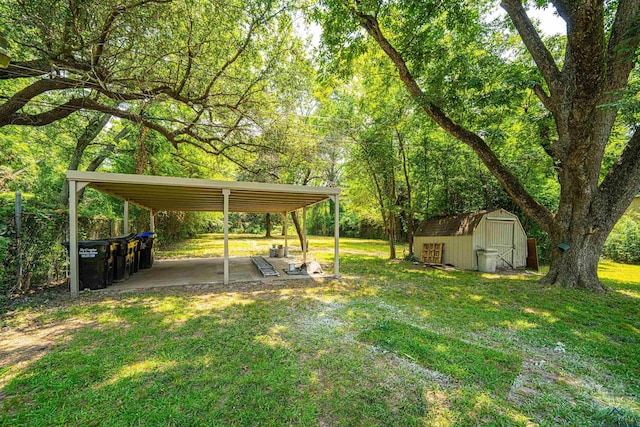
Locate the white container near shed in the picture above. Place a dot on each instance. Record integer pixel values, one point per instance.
(487, 260)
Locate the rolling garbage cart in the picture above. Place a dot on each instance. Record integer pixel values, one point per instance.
(124, 256)
(146, 249)
(95, 263)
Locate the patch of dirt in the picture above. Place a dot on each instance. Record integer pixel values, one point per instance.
(234, 287)
(22, 346)
(535, 374)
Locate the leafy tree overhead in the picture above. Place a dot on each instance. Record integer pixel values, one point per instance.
(205, 65)
(582, 82)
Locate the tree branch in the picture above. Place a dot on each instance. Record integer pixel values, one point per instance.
(183, 135)
(48, 117)
(26, 69)
(509, 181)
(108, 24)
(22, 97)
(543, 96)
(622, 47)
(534, 44)
(230, 61)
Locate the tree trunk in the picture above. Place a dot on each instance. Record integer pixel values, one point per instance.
(142, 156)
(91, 132)
(408, 205)
(296, 223)
(392, 235)
(577, 266)
(267, 225)
(410, 232)
(95, 164)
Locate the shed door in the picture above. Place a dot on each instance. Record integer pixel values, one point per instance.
(500, 236)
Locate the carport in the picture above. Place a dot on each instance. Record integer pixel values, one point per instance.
(161, 193)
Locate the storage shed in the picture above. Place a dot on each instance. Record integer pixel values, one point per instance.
(463, 235)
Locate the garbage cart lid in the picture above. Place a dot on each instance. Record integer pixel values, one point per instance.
(146, 234)
(94, 242)
(89, 243)
(127, 238)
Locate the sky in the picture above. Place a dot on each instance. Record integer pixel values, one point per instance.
(550, 22)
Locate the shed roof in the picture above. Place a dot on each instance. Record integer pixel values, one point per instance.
(455, 225)
(162, 193)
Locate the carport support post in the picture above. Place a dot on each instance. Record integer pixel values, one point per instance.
(304, 235)
(286, 235)
(336, 237)
(152, 222)
(125, 228)
(74, 280)
(225, 193)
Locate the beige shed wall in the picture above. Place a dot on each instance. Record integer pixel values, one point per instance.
(483, 238)
(456, 249)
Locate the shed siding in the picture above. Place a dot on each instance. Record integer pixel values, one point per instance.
(456, 249)
(520, 242)
(486, 234)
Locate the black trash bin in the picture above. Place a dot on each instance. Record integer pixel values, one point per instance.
(124, 256)
(136, 255)
(146, 249)
(95, 263)
(112, 262)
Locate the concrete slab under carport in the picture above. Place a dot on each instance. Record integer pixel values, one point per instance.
(203, 271)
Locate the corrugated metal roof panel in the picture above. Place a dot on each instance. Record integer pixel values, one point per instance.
(161, 193)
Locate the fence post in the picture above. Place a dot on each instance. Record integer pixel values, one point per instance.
(18, 240)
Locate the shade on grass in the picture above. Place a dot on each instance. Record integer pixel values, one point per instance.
(487, 368)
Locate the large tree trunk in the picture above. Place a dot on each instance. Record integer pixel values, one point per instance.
(576, 266)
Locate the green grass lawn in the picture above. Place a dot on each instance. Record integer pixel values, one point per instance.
(389, 344)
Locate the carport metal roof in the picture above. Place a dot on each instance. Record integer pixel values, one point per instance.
(162, 193)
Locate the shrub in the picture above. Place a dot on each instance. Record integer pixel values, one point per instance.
(623, 244)
(4, 254)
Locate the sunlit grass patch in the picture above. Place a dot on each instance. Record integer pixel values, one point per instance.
(625, 277)
(627, 273)
(321, 247)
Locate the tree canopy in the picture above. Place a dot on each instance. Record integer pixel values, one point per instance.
(194, 72)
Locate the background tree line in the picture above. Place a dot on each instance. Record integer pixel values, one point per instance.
(237, 90)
